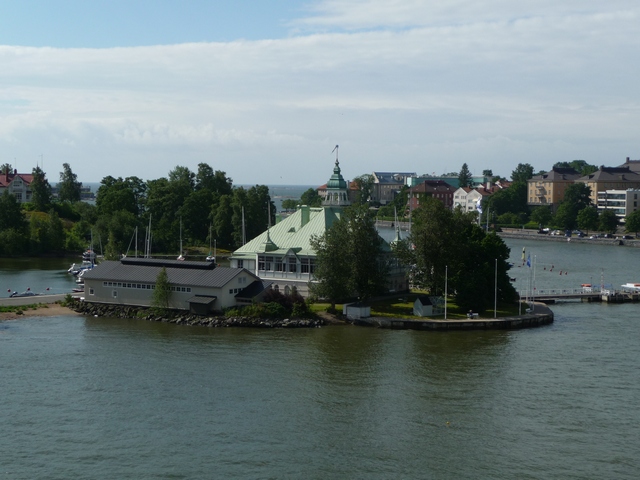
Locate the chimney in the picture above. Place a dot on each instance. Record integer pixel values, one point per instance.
(304, 215)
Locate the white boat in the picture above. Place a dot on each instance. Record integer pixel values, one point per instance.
(632, 286)
(210, 257)
(76, 268)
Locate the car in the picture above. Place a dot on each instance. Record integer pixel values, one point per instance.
(556, 232)
(608, 235)
(627, 237)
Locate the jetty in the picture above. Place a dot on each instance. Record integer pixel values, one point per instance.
(541, 315)
(585, 294)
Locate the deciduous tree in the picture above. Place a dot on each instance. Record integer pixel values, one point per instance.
(632, 222)
(350, 257)
(162, 290)
(608, 221)
(41, 190)
(522, 172)
(69, 187)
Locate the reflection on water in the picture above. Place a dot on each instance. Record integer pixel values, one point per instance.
(111, 398)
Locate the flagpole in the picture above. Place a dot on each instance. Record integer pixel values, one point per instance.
(446, 271)
(495, 300)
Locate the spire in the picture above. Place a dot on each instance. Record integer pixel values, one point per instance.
(337, 189)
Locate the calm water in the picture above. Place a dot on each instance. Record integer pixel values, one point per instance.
(105, 398)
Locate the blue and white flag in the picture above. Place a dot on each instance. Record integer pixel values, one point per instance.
(479, 206)
(529, 261)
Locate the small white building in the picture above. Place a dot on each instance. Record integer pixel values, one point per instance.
(426, 306)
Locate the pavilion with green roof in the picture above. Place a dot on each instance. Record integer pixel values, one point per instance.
(283, 253)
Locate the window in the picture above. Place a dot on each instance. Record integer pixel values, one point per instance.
(279, 267)
(240, 263)
(261, 262)
(91, 291)
(292, 264)
(304, 265)
(114, 293)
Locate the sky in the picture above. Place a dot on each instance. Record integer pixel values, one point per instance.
(264, 90)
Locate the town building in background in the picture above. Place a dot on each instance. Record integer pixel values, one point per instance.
(386, 185)
(549, 188)
(18, 184)
(611, 178)
(622, 202)
(437, 189)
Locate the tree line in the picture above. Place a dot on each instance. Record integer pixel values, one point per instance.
(199, 206)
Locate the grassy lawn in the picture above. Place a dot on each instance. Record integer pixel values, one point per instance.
(21, 308)
(401, 306)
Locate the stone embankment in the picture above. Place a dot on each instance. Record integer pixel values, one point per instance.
(542, 316)
(534, 235)
(179, 318)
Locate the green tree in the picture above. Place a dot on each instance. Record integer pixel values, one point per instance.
(487, 173)
(632, 223)
(116, 194)
(223, 222)
(311, 198)
(350, 257)
(464, 177)
(541, 215)
(41, 190)
(6, 168)
(69, 187)
(588, 219)
(289, 204)
(522, 173)
(364, 183)
(444, 242)
(13, 226)
(508, 200)
(580, 166)
(578, 195)
(608, 221)
(11, 215)
(162, 290)
(565, 217)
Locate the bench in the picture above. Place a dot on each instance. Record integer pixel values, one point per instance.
(472, 315)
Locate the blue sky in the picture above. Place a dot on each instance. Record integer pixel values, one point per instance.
(265, 89)
(129, 23)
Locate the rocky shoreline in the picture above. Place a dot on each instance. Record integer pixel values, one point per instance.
(180, 318)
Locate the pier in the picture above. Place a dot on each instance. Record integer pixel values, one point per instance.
(584, 294)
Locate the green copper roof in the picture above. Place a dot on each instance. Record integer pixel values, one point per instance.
(336, 181)
(293, 233)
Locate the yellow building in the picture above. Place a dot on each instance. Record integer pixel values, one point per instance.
(548, 189)
(610, 178)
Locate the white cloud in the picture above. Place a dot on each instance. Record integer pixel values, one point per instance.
(410, 85)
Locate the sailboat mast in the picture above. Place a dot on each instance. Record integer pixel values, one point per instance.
(244, 238)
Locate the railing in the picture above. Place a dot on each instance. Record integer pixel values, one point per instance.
(568, 292)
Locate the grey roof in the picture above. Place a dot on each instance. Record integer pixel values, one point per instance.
(424, 300)
(254, 289)
(118, 271)
(202, 299)
(394, 178)
(557, 174)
